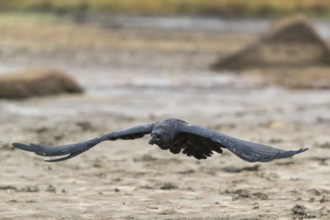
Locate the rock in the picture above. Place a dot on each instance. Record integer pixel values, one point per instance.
(37, 82)
(168, 186)
(291, 42)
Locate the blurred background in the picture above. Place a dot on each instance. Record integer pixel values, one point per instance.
(74, 69)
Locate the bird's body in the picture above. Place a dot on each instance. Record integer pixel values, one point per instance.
(175, 135)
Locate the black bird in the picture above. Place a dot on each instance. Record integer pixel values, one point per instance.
(175, 135)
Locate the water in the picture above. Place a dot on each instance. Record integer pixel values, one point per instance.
(140, 91)
(253, 26)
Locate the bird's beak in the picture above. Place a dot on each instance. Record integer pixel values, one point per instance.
(155, 138)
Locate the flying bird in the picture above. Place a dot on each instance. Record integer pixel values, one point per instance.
(175, 135)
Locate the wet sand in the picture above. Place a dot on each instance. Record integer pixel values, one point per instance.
(128, 83)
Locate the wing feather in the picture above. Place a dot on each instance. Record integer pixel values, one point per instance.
(197, 146)
(72, 150)
(248, 151)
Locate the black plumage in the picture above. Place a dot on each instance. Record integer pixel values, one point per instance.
(175, 135)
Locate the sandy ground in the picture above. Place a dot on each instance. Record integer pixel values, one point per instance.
(128, 83)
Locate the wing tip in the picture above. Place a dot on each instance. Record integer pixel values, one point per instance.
(22, 146)
(35, 148)
(16, 144)
(286, 154)
(302, 150)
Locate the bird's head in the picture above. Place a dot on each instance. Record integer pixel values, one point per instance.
(160, 137)
(156, 138)
(163, 133)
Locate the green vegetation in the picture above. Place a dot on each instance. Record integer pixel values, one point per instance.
(175, 7)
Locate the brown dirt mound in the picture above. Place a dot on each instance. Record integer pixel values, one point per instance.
(36, 83)
(292, 42)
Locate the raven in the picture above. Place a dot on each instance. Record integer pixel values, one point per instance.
(175, 135)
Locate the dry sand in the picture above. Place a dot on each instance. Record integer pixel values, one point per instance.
(133, 180)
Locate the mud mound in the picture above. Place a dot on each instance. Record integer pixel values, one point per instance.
(291, 42)
(36, 83)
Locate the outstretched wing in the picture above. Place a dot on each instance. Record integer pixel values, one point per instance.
(248, 151)
(72, 150)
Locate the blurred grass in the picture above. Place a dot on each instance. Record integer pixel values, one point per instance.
(175, 7)
(18, 17)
